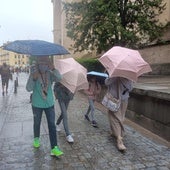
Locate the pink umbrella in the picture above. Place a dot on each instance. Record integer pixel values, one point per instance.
(124, 62)
(74, 75)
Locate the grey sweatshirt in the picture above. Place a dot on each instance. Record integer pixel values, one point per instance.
(119, 86)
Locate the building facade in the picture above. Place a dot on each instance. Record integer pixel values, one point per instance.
(60, 32)
(59, 29)
(14, 60)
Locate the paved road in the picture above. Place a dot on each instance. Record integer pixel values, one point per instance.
(93, 148)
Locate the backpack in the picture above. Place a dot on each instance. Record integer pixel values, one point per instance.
(61, 92)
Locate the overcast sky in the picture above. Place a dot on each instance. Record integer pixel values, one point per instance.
(26, 19)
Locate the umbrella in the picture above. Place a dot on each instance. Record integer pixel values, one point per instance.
(35, 48)
(100, 77)
(124, 62)
(74, 75)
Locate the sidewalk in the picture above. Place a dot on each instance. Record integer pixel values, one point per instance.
(93, 148)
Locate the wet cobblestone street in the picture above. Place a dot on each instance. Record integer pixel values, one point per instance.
(93, 149)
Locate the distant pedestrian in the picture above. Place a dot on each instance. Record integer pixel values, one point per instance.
(40, 83)
(92, 92)
(119, 88)
(64, 97)
(5, 76)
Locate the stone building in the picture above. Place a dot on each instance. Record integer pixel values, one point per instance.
(158, 55)
(59, 30)
(154, 54)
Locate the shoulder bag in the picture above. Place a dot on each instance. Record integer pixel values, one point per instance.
(111, 102)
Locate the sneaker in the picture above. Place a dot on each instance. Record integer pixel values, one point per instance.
(36, 142)
(70, 139)
(94, 123)
(56, 151)
(58, 128)
(87, 118)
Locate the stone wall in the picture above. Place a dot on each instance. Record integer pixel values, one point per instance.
(156, 54)
(160, 69)
(158, 57)
(150, 109)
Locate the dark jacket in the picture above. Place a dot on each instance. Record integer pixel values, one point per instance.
(62, 93)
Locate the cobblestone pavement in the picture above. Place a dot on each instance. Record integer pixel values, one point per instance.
(93, 148)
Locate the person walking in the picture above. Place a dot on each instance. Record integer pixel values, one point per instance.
(5, 76)
(119, 88)
(92, 92)
(64, 96)
(40, 83)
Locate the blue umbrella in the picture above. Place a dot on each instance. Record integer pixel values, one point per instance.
(95, 73)
(35, 48)
(100, 77)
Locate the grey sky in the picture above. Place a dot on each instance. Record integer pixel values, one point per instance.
(26, 19)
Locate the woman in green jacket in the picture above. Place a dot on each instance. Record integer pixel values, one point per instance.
(42, 75)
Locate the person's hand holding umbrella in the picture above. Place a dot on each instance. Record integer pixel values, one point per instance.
(51, 66)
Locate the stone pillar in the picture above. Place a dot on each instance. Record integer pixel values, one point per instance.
(57, 23)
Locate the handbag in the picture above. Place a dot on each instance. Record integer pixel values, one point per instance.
(111, 102)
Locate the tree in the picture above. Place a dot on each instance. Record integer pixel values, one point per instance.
(100, 24)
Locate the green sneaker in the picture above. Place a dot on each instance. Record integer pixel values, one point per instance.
(36, 142)
(56, 151)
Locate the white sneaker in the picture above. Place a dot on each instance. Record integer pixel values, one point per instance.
(70, 139)
(58, 128)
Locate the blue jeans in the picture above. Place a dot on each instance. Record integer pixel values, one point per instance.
(91, 109)
(63, 107)
(50, 115)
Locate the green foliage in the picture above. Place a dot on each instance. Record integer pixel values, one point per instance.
(101, 24)
(91, 64)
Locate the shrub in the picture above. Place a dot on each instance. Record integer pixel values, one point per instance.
(91, 64)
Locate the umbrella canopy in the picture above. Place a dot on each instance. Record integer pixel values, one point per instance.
(124, 62)
(100, 77)
(35, 48)
(74, 75)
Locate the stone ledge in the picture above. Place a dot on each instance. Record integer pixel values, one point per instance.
(152, 93)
